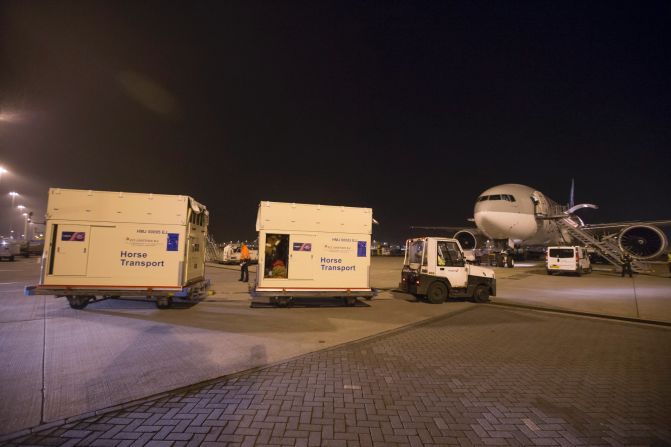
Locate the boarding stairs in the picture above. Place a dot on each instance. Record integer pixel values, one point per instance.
(212, 250)
(606, 247)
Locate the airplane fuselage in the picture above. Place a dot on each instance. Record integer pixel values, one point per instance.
(512, 211)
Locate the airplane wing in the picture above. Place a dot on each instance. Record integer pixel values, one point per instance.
(616, 225)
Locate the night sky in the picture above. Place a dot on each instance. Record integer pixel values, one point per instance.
(411, 108)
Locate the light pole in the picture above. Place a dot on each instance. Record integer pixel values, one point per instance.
(25, 226)
(21, 208)
(13, 195)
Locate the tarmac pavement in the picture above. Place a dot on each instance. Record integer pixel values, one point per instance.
(483, 376)
(58, 363)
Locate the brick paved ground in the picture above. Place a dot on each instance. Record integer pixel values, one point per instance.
(488, 376)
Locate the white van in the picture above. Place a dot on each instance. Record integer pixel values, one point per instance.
(568, 259)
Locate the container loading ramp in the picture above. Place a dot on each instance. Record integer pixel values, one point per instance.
(213, 253)
(313, 251)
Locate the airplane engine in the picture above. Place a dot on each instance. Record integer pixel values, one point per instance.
(643, 241)
(470, 239)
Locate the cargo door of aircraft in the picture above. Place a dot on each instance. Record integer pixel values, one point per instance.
(301, 256)
(71, 253)
(103, 252)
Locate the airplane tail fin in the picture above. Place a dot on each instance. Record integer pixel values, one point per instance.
(571, 199)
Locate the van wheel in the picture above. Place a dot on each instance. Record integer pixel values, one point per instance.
(579, 271)
(350, 301)
(481, 294)
(549, 272)
(437, 293)
(164, 302)
(510, 262)
(78, 302)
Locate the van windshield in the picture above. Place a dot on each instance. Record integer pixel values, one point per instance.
(561, 253)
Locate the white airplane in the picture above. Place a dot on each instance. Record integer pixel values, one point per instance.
(512, 216)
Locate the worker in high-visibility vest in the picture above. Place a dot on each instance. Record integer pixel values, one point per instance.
(625, 260)
(244, 263)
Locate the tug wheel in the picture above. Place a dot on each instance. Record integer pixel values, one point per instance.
(282, 301)
(481, 294)
(350, 301)
(437, 293)
(78, 302)
(163, 302)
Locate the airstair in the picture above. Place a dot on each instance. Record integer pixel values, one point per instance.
(606, 246)
(212, 250)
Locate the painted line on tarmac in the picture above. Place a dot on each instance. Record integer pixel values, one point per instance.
(583, 314)
(4, 283)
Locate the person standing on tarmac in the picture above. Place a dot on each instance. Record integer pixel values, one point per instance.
(244, 263)
(626, 265)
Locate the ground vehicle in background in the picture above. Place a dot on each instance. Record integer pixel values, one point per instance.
(573, 259)
(230, 254)
(102, 244)
(33, 247)
(436, 268)
(9, 249)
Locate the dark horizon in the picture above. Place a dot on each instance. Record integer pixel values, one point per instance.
(410, 108)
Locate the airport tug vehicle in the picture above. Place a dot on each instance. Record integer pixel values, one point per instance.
(101, 245)
(436, 268)
(308, 251)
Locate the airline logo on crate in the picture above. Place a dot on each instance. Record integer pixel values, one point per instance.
(301, 246)
(77, 236)
(361, 249)
(173, 242)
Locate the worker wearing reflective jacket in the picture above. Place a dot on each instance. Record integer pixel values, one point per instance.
(244, 263)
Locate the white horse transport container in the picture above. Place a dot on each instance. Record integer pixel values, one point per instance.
(101, 244)
(313, 251)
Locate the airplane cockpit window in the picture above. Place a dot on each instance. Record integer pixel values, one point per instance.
(506, 197)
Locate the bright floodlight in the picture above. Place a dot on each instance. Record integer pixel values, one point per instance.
(13, 194)
(20, 207)
(3, 170)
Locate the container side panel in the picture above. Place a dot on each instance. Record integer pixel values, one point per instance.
(125, 254)
(103, 252)
(338, 260)
(297, 217)
(106, 206)
(71, 254)
(301, 256)
(195, 251)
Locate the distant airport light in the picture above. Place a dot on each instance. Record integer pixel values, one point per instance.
(21, 207)
(13, 194)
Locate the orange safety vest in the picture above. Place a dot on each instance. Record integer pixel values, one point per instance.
(244, 252)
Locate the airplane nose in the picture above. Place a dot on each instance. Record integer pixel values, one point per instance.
(490, 225)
